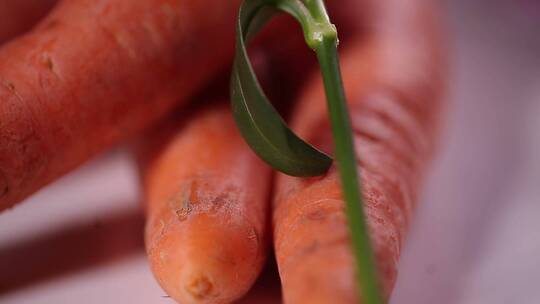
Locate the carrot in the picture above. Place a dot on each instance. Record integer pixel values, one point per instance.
(394, 80)
(18, 16)
(94, 72)
(205, 163)
(207, 229)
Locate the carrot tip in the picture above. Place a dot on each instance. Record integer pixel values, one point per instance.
(200, 288)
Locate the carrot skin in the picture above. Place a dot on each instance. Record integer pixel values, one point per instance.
(207, 229)
(95, 72)
(211, 249)
(394, 76)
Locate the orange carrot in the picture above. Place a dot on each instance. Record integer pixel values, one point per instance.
(18, 16)
(207, 229)
(206, 192)
(94, 72)
(394, 80)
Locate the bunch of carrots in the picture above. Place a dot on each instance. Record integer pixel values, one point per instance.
(79, 76)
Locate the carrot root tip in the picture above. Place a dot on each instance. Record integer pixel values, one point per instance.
(200, 288)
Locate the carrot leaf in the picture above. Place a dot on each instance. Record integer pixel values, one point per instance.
(260, 124)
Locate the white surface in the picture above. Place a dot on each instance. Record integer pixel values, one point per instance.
(475, 238)
(127, 281)
(90, 220)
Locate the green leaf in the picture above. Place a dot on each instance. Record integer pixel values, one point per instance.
(260, 124)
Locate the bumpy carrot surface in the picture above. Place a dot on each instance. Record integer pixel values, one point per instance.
(394, 80)
(18, 16)
(207, 226)
(94, 72)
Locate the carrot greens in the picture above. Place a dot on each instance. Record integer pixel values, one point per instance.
(268, 135)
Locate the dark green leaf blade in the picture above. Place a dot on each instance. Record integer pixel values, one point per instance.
(260, 124)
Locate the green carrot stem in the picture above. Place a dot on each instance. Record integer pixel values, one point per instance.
(274, 142)
(346, 163)
(321, 36)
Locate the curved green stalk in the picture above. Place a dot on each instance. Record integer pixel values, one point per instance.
(258, 121)
(250, 106)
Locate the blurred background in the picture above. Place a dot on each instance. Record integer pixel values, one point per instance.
(475, 238)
